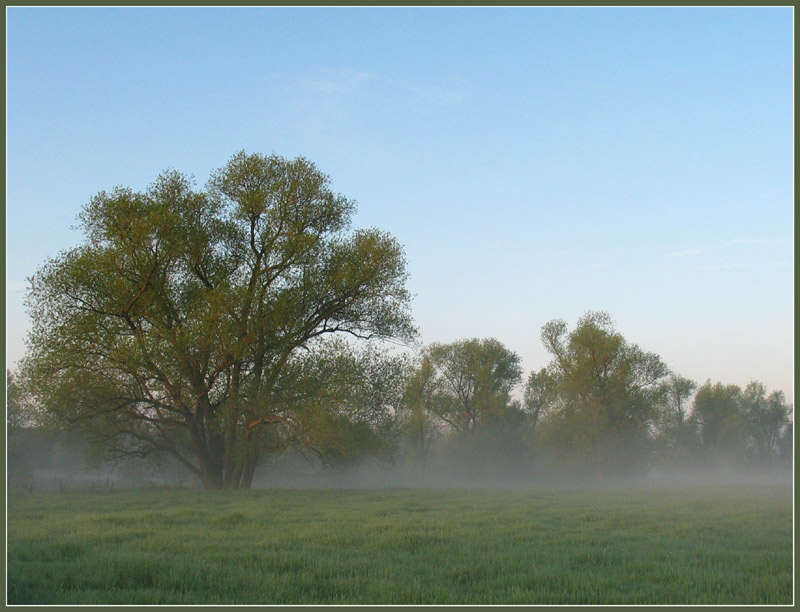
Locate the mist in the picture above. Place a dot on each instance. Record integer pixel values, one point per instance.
(65, 463)
(499, 472)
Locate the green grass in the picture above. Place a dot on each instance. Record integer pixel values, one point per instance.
(628, 546)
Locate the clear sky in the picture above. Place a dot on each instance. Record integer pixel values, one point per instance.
(535, 163)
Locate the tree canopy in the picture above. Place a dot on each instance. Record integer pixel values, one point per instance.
(473, 380)
(175, 324)
(603, 393)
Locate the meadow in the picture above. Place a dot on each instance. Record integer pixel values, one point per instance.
(644, 545)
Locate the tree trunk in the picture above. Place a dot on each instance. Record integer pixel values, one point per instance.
(211, 466)
(229, 466)
(236, 474)
(249, 459)
(220, 465)
(249, 470)
(212, 481)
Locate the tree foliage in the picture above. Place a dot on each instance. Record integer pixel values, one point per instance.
(421, 392)
(472, 382)
(541, 394)
(603, 394)
(678, 392)
(766, 416)
(17, 405)
(717, 412)
(180, 320)
(339, 402)
(741, 425)
(460, 395)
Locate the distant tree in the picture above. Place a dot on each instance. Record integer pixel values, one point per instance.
(676, 435)
(678, 392)
(421, 392)
(717, 411)
(17, 405)
(766, 416)
(605, 398)
(178, 323)
(541, 397)
(473, 380)
(786, 445)
(540, 394)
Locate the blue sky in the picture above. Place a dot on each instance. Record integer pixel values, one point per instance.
(535, 163)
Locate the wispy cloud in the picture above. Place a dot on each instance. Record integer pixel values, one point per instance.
(686, 253)
(439, 94)
(735, 242)
(749, 266)
(348, 82)
(341, 82)
(741, 241)
(602, 267)
(730, 266)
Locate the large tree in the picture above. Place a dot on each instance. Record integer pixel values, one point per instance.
(180, 322)
(603, 395)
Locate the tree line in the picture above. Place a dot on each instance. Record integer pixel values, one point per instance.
(601, 407)
(226, 325)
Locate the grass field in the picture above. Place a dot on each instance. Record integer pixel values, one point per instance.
(724, 545)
